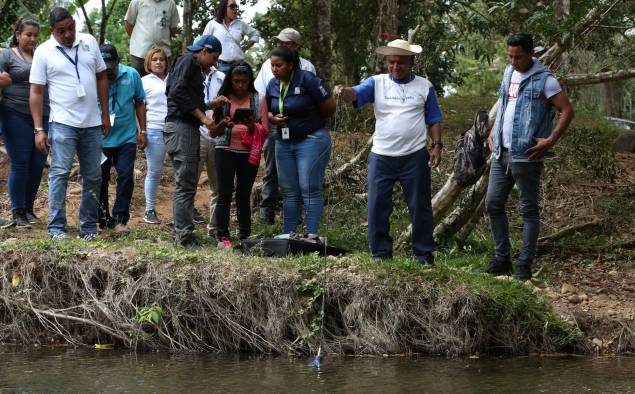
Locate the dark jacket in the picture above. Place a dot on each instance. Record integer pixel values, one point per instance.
(184, 89)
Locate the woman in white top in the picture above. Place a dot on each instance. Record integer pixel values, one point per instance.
(230, 31)
(156, 64)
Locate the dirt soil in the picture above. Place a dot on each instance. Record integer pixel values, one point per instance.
(599, 296)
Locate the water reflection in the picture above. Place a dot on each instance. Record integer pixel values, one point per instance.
(63, 370)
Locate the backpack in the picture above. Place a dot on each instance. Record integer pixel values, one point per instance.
(471, 153)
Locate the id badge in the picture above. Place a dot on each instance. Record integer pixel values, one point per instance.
(285, 133)
(80, 91)
(112, 119)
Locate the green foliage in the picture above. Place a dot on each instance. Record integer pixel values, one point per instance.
(149, 315)
(588, 145)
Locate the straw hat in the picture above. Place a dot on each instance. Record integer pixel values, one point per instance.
(399, 48)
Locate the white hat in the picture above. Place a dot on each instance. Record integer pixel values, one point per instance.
(289, 35)
(400, 48)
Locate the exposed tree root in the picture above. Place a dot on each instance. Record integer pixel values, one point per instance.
(230, 307)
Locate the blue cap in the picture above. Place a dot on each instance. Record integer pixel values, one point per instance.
(207, 41)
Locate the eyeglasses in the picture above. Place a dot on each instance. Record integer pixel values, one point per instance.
(233, 6)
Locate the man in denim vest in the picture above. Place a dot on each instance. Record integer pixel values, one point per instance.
(520, 140)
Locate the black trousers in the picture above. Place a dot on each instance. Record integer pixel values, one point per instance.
(229, 166)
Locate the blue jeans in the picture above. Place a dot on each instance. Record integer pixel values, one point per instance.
(301, 165)
(502, 177)
(66, 142)
(155, 155)
(123, 158)
(413, 173)
(26, 162)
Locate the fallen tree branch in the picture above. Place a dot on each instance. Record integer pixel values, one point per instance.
(568, 231)
(595, 78)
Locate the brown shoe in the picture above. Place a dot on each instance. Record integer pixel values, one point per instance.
(120, 228)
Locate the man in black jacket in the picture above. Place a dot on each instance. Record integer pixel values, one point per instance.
(186, 112)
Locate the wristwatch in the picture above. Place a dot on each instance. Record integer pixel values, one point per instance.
(38, 129)
(143, 132)
(437, 142)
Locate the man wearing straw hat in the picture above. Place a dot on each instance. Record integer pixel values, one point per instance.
(406, 111)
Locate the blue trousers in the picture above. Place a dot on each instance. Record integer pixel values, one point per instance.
(301, 166)
(123, 158)
(26, 162)
(503, 174)
(413, 173)
(66, 142)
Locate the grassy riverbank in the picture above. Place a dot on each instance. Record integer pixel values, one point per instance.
(148, 294)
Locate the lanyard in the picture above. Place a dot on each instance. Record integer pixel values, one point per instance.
(113, 96)
(74, 63)
(283, 94)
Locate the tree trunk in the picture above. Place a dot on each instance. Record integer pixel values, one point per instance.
(187, 23)
(321, 50)
(387, 24)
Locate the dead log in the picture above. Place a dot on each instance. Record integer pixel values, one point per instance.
(595, 78)
(542, 241)
(464, 212)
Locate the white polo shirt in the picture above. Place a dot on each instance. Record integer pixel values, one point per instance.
(50, 67)
(212, 85)
(265, 74)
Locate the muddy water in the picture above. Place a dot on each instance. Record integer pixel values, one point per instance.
(55, 370)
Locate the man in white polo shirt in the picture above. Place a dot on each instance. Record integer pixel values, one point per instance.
(406, 110)
(291, 39)
(149, 24)
(71, 66)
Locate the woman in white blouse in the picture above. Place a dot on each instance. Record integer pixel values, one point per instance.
(156, 65)
(230, 31)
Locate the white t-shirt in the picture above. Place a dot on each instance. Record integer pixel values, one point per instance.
(552, 87)
(50, 67)
(212, 85)
(400, 113)
(156, 101)
(265, 75)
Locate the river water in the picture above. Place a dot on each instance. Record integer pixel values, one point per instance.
(114, 371)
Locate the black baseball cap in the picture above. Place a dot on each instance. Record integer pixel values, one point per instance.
(110, 55)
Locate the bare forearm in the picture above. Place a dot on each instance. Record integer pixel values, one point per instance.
(5, 80)
(565, 118)
(102, 92)
(36, 104)
(435, 131)
(128, 28)
(140, 109)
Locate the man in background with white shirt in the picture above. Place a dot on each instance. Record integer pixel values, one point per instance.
(406, 111)
(149, 23)
(520, 141)
(269, 195)
(71, 66)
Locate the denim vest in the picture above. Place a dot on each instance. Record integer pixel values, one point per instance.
(533, 116)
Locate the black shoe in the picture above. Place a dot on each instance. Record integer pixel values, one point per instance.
(197, 217)
(30, 216)
(267, 217)
(522, 272)
(498, 267)
(19, 217)
(426, 259)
